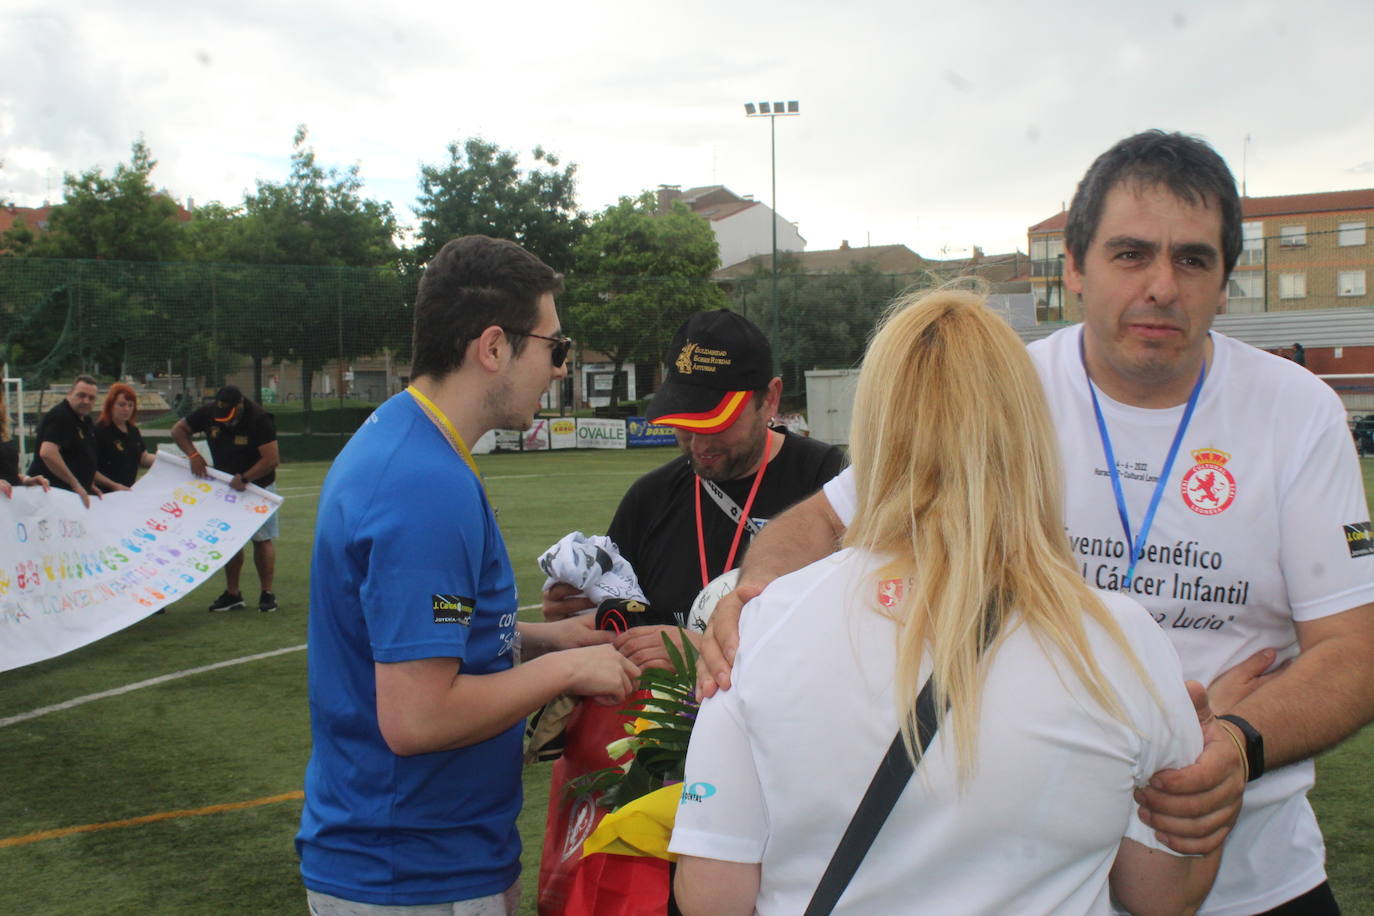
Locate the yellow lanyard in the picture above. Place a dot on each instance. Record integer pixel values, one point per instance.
(446, 427)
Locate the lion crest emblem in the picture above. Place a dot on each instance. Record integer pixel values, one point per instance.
(684, 359)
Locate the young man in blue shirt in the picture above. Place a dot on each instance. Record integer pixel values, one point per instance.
(420, 676)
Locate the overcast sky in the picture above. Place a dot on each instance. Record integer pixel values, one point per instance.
(922, 123)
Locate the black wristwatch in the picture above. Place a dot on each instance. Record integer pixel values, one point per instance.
(1254, 745)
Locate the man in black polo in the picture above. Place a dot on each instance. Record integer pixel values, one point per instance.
(66, 445)
(243, 442)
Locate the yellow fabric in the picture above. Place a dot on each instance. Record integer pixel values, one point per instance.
(641, 828)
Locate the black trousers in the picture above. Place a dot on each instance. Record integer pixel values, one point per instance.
(1319, 901)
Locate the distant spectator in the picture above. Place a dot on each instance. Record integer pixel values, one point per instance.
(1299, 354)
(10, 475)
(66, 444)
(119, 444)
(793, 421)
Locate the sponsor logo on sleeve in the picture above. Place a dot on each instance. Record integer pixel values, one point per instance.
(453, 609)
(890, 592)
(697, 792)
(1359, 538)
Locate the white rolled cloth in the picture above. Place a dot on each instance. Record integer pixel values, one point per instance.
(594, 565)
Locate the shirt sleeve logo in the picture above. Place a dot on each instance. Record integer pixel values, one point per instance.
(697, 792)
(453, 609)
(1359, 537)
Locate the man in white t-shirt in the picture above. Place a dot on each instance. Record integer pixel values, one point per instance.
(1229, 476)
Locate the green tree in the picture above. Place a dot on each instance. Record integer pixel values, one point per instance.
(481, 190)
(316, 217)
(640, 273)
(119, 217)
(824, 319)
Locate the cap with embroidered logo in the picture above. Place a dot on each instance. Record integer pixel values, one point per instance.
(716, 360)
(227, 400)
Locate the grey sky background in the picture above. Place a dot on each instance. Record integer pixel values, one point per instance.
(926, 124)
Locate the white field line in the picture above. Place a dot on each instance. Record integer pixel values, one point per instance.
(162, 679)
(316, 489)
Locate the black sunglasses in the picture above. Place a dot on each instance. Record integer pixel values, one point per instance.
(561, 345)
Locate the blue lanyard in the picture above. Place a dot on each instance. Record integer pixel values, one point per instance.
(1138, 545)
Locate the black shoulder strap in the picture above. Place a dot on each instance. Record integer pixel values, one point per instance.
(888, 782)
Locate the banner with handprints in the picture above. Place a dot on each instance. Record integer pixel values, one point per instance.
(71, 575)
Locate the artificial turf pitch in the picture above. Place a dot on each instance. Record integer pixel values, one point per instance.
(201, 748)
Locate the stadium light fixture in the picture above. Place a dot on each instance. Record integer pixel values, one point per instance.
(773, 111)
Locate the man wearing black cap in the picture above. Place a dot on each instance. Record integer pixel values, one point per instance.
(243, 442)
(689, 521)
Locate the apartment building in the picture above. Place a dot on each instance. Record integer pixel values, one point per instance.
(1300, 252)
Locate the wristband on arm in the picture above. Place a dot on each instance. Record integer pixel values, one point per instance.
(1254, 746)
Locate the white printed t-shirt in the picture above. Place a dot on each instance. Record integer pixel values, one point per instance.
(1262, 522)
(778, 763)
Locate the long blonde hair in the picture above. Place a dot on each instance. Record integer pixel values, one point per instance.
(958, 483)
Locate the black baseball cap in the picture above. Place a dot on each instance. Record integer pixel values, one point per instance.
(227, 400)
(715, 361)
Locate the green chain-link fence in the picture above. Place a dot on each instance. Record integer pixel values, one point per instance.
(321, 345)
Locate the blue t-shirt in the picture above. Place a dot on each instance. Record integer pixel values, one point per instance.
(408, 564)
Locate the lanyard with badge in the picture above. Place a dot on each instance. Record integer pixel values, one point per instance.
(743, 517)
(446, 427)
(1137, 544)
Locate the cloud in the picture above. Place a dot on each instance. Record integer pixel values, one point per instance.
(921, 123)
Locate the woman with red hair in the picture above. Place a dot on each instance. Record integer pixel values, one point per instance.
(121, 450)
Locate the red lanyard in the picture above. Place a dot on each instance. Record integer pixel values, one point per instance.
(739, 528)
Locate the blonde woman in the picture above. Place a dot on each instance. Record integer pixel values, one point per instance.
(1023, 801)
(10, 475)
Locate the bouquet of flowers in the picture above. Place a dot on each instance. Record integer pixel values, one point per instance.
(657, 730)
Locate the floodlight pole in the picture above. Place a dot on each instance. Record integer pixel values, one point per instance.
(1061, 287)
(772, 111)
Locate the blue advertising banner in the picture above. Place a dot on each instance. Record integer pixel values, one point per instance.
(642, 432)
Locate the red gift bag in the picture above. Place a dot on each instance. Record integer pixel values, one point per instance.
(602, 884)
(614, 885)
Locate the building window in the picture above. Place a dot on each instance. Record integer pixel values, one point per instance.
(1350, 234)
(1350, 283)
(1050, 306)
(1293, 286)
(1252, 243)
(1046, 257)
(1245, 292)
(1292, 236)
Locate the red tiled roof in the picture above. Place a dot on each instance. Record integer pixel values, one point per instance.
(35, 218)
(1055, 223)
(1320, 202)
(721, 211)
(895, 259)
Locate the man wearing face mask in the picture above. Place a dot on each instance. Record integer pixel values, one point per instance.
(243, 442)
